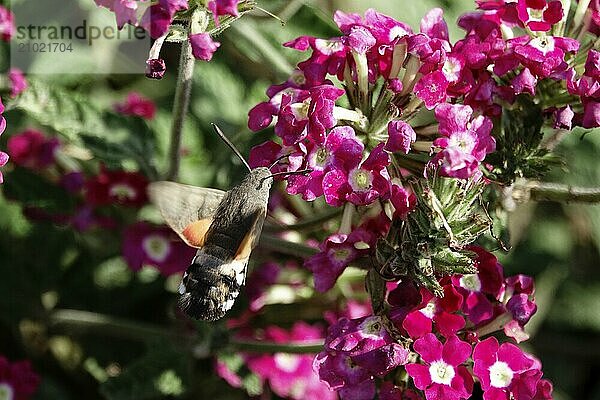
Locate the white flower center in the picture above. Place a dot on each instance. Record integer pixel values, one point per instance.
(500, 374)
(372, 326)
(156, 247)
(451, 69)
(441, 372)
(545, 44)
(536, 14)
(360, 180)
(122, 191)
(328, 47)
(397, 32)
(298, 78)
(471, 282)
(276, 99)
(321, 156)
(6, 392)
(341, 255)
(287, 362)
(463, 142)
(300, 110)
(429, 310)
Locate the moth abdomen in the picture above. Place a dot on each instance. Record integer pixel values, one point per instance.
(210, 286)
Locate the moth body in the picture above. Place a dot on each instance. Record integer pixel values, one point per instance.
(225, 239)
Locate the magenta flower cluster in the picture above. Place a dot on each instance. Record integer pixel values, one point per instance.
(445, 335)
(359, 143)
(157, 18)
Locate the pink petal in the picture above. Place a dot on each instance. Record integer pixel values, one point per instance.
(429, 347)
(455, 351)
(420, 374)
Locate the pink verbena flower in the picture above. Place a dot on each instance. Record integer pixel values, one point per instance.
(475, 288)
(518, 301)
(328, 57)
(3, 160)
(539, 15)
(587, 87)
(120, 187)
(18, 83)
(290, 375)
(465, 141)
(362, 184)
(439, 310)
(404, 202)
(154, 18)
(18, 380)
(400, 136)
(2, 120)
(543, 390)
(173, 6)
(155, 68)
(543, 55)
(203, 47)
(337, 252)
(524, 82)
(504, 371)
(442, 376)
(32, 149)
(310, 116)
(341, 150)
(355, 352)
(223, 7)
(157, 246)
(7, 24)
(261, 115)
(136, 104)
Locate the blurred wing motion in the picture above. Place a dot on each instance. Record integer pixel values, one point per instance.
(188, 210)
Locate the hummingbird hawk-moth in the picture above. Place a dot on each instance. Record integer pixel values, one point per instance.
(224, 226)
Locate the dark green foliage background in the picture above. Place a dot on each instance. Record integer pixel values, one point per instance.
(558, 244)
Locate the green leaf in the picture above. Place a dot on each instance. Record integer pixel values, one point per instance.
(67, 113)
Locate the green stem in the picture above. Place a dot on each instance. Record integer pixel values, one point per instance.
(270, 347)
(557, 192)
(307, 223)
(286, 247)
(101, 324)
(180, 107)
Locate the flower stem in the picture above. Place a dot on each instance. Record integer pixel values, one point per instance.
(286, 247)
(180, 107)
(101, 324)
(271, 347)
(557, 192)
(306, 223)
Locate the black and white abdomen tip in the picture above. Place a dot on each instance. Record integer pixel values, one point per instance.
(210, 286)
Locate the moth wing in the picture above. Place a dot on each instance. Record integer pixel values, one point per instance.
(252, 237)
(187, 209)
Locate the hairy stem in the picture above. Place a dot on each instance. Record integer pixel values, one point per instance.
(180, 107)
(557, 192)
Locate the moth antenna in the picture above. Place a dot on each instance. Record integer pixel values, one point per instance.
(302, 172)
(231, 146)
(279, 159)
